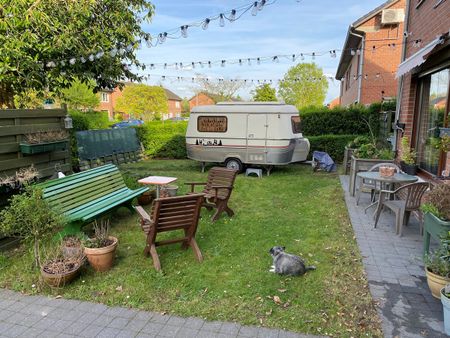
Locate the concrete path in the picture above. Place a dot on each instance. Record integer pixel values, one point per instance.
(395, 272)
(41, 316)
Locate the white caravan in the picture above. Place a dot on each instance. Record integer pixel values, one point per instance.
(239, 133)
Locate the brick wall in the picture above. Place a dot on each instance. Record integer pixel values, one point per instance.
(382, 60)
(350, 90)
(425, 23)
(174, 111)
(200, 100)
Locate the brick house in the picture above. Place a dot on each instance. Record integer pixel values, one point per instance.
(174, 102)
(371, 55)
(424, 75)
(200, 99)
(108, 101)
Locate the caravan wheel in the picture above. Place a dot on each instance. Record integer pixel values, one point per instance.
(235, 164)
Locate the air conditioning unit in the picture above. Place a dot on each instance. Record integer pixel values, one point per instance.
(392, 16)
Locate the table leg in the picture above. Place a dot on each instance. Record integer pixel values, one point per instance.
(158, 188)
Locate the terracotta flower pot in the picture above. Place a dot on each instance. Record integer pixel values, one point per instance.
(60, 279)
(102, 259)
(436, 283)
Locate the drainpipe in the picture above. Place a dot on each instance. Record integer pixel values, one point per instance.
(400, 83)
(361, 63)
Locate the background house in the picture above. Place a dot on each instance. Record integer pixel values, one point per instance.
(371, 55)
(174, 102)
(108, 101)
(423, 103)
(201, 99)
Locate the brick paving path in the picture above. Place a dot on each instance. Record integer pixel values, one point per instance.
(41, 316)
(395, 272)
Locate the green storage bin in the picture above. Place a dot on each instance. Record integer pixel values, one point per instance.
(27, 148)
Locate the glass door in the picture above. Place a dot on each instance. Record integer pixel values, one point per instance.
(432, 117)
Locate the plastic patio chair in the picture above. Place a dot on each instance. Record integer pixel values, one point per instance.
(409, 199)
(371, 185)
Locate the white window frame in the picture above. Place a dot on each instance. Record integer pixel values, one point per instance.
(105, 97)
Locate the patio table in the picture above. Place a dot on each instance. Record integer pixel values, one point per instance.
(384, 181)
(158, 181)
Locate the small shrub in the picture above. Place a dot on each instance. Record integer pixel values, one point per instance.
(29, 217)
(101, 236)
(46, 136)
(438, 262)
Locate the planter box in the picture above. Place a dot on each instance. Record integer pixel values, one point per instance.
(348, 153)
(433, 227)
(27, 148)
(361, 164)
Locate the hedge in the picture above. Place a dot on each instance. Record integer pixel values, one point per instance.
(163, 139)
(332, 144)
(343, 121)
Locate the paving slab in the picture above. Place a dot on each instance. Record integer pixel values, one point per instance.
(395, 271)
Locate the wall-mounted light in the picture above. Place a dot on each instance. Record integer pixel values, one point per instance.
(68, 123)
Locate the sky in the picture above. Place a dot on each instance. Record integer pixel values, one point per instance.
(285, 27)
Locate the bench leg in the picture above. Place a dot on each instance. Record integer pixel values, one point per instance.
(229, 211)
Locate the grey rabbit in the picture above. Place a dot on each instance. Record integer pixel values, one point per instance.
(287, 264)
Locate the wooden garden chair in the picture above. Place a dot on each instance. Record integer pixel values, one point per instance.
(409, 199)
(169, 214)
(217, 190)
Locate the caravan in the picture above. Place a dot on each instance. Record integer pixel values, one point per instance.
(239, 133)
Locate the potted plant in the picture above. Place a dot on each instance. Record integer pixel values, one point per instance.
(445, 300)
(71, 246)
(100, 250)
(437, 268)
(407, 157)
(29, 217)
(61, 269)
(436, 208)
(44, 141)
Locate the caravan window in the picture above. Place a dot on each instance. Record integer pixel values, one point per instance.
(212, 124)
(296, 127)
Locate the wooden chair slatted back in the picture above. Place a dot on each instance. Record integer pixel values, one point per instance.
(218, 176)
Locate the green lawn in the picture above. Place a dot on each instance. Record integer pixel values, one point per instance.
(294, 207)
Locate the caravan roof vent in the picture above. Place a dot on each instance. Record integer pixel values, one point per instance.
(392, 16)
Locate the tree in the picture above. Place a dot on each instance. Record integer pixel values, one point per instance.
(304, 85)
(47, 44)
(264, 93)
(222, 90)
(80, 96)
(141, 100)
(185, 107)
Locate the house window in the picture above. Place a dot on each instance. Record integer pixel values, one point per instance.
(177, 104)
(433, 116)
(212, 124)
(105, 97)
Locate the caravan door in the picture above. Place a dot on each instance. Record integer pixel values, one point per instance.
(256, 138)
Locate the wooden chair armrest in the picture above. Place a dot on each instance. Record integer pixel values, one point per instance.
(143, 214)
(193, 184)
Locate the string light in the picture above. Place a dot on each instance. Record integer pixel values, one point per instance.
(232, 16)
(222, 20)
(184, 29)
(205, 24)
(352, 52)
(255, 8)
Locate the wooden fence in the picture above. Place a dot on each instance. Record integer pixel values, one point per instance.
(14, 124)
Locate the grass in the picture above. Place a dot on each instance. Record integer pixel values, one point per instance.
(294, 207)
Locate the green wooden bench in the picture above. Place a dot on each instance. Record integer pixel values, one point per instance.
(85, 196)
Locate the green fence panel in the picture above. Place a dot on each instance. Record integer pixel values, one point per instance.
(94, 144)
